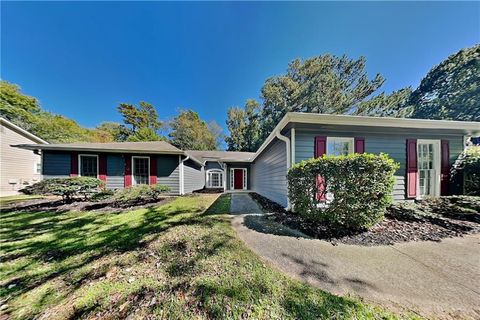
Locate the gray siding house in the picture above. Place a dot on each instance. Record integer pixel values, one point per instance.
(425, 150)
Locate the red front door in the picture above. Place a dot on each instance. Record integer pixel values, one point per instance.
(238, 179)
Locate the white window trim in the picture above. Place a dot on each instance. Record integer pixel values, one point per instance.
(351, 149)
(133, 169)
(436, 163)
(80, 162)
(232, 178)
(35, 164)
(222, 180)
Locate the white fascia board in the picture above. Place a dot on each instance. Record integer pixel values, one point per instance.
(49, 147)
(13, 126)
(313, 118)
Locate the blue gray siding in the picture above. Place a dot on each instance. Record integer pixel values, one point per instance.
(168, 172)
(269, 173)
(393, 143)
(56, 165)
(239, 165)
(193, 176)
(115, 171)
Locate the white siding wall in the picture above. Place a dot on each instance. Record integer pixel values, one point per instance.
(17, 166)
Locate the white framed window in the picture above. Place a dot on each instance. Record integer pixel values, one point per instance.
(215, 178)
(141, 170)
(428, 163)
(37, 167)
(88, 165)
(337, 146)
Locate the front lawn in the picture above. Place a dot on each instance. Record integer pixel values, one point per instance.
(178, 260)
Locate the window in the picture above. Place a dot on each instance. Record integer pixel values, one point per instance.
(339, 146)
(215, 179)
(141, 170)
(88, 166)
(37, 168)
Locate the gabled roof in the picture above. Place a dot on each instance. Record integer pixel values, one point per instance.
(464, 127)
(222, 156)
(153, 147)
(21, 131)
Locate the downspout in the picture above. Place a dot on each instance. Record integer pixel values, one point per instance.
(287, 143)
(182, 178)
(224, 179)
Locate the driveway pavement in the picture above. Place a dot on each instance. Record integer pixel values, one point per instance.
(440, 280)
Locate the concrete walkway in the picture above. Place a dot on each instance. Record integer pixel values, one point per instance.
(441, 280)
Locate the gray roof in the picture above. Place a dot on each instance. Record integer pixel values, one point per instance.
(224, 156)
(153, 147)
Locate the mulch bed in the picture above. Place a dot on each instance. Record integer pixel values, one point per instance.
(58, 205)
(428, 220)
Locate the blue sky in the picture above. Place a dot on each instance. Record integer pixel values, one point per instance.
(82, 59)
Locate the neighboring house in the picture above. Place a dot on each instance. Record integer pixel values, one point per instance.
(425, 149)
(18, 168)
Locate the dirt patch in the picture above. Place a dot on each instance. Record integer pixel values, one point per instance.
(428, 220)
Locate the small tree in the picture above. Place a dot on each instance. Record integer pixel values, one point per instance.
(68, 188)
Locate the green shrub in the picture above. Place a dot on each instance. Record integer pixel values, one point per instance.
(140, 193)
(358, 189)
(465, 173)
(68, 188)
(471, 171)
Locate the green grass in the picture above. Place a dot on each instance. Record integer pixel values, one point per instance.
(180, 260)
(16, 198)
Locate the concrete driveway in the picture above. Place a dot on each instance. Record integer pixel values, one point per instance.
(440, 280)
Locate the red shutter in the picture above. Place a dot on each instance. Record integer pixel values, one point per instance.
(74, 164)
(445, 165)
(102, 167)
(153, 170)
(320, 146)
(411, 168)
(359, 145)
(320, 150)
(128, 170)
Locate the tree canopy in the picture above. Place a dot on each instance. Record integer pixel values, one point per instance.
(340, 85)
(450, 90)
(26, 112)
(141, 123)
(244, 126)
(189, 132)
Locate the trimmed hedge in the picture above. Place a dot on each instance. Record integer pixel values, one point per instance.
(140, 193)
(359, 188)
(68, 188)
(466, 172)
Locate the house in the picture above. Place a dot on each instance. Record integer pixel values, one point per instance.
(425, 149)
(18, 167)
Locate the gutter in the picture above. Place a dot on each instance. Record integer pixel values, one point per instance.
(287, 145)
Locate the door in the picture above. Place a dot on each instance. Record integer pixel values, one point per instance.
(238, 179)
(428, 155)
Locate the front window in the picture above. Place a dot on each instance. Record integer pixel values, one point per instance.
(88, 166)
(141, 170)
(339, 146)
(215, 179)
